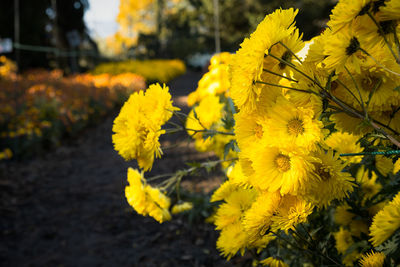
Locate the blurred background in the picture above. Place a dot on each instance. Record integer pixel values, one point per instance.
(76, 35)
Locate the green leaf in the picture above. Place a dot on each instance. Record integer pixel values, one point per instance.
(232, 145)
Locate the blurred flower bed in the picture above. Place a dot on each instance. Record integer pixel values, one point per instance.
(154, 70)
(40, 107)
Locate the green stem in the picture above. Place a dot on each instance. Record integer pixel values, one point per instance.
(280, 75)
(351, 92)
(358, 90)
(296, 69)
(384, 36)
(287, 87)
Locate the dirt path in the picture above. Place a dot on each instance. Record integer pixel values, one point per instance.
(68, 209)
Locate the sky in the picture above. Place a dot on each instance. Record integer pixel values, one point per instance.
(101, 17)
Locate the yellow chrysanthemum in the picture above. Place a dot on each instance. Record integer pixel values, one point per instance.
(249, 130)
(294, 43)
(257, 219)
(215, 81)
(390, 10)
(289, 126)
(182, 207)
(282, 170)
(137, 128)
(236, 175)
(343, 240)
(384, 164)
(372, 259)
(329, 181)
(235, 205)
(291, 211)
(158, 103)
(346, 11)
(374, 84)
(205, 115)
(385, 222)
(146, 200)
(346, 123)
(343, 50)
(273, 262)
(369, 186)
(396, 166)
(223, 191)
(351, 258)
(343, 143)
(247, 63)
(232, 239)
(343, 216)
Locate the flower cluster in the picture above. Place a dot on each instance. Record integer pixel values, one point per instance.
(41, 106)
(137, 128)
(307, 134)
(160, 70)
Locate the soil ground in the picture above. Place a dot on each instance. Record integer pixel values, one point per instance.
(68, 208)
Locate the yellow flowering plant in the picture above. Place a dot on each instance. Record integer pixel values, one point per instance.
(307, 134)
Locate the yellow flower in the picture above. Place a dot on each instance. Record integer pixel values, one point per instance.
(6, 154)
(146, 200)
(329, 181)
(273, 262)
(390, 10)
(232, 239)
(205, 115)
(291, 211)
(223, 191)
(289, 126)
(374, 80)
(346, 11)
(281, 170)
(384, 164)
(235, 205)
(343, 216)
(247, 63)
(343, 143)
(137, 128)
(158, 104)
(181, 207)
(258, 218)
(385, 222)
(236, 175)
(343, 240)
(372, 259)
(346, 123)
(396, 166)
(249, 130)
(369, 186)
(342, 50)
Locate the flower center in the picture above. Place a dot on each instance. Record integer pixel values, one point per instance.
(295, 127)
(323, 171)
(286, 56)
(258, 131)
(282, 162)
(353, 46)
(369, 83)
(388, 26)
